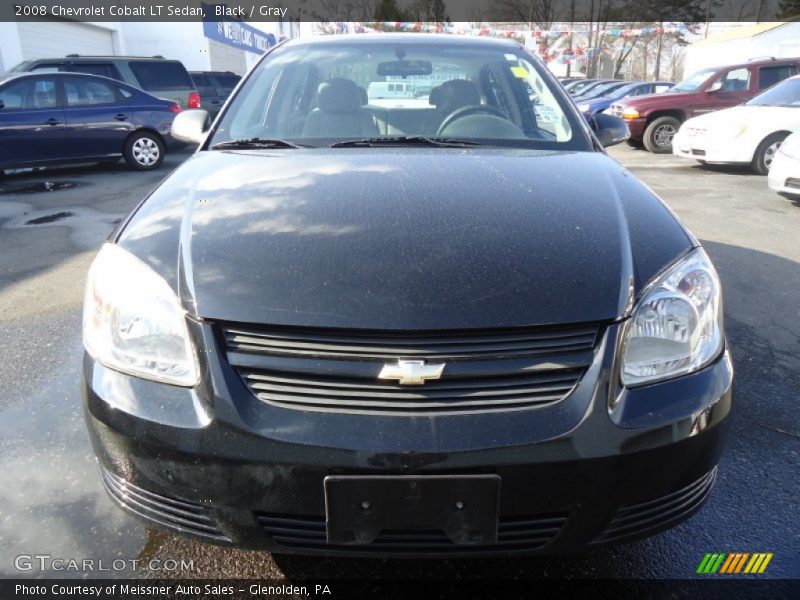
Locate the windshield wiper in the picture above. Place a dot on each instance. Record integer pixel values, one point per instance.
(406, 140)
(256, 143)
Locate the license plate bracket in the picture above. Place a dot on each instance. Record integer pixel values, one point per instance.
(464, 507)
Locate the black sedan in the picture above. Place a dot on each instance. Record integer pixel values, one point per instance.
(447, 325)
(49, 119)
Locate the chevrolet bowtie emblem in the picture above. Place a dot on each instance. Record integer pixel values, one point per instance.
(411, 372)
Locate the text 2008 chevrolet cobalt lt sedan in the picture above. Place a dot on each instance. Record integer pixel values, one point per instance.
(400, 302)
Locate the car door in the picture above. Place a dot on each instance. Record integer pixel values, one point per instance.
(32, 126)
(210, 97)
(728, 88)
(97, 118)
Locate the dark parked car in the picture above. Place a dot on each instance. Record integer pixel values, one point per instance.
(51, 119)
(457, 328)
(596, 104)
(654, 120)
(161, 77)
(578, 84)
(600, 90)
(214, 88)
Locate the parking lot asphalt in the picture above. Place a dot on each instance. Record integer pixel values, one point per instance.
(51, 501)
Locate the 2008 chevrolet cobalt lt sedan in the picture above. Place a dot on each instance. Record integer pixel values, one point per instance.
(426, 317)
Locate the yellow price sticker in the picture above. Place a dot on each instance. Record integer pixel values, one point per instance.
(519, 72)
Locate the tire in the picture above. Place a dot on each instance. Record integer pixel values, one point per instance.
(659, 133)
(702, 162)
(144, 151)
(634, 143)
(762, 159)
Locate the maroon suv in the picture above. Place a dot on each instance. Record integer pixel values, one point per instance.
(655, 118)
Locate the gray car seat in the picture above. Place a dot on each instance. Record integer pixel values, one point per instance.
(448, 97)
(339, 112)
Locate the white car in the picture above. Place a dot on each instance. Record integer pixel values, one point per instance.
(784, 173)
(749, 133)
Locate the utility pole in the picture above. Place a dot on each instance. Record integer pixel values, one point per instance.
(571, 33)
(657, 70)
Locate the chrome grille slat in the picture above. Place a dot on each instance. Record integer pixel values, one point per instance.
(519, 533)
(382, 345)
(333, 370)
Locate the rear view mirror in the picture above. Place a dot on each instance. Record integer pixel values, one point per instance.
(190, 126)
(610, 130)
(405, 68)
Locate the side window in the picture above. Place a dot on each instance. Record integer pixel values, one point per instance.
(49, 68)
(13, 95)
(204, 85)
(38, 93)
(657, 89)
(126, 93)
(736, 80)
(86, 92)
(104, 69)
(769, 76)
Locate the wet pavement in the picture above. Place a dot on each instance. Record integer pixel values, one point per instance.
(51, 501)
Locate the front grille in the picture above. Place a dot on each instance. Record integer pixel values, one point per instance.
(320, 343)
(448, 395)
(513, 534)
(793, 182)
(698, 152)
(181, 515)
(337, 370)
(647, 517)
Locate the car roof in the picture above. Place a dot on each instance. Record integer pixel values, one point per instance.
(63, 75)
(403, 38)
(88, 57)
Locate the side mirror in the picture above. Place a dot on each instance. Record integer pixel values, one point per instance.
(2, 104)
(190, 126)
(715, 87)
(610, 130)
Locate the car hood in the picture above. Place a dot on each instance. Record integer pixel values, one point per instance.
(403, 238)
(648, 100)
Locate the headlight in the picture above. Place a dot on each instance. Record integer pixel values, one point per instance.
(676, 327)
(584, 108)
(791, 146)
(630, 113)
(133, 321)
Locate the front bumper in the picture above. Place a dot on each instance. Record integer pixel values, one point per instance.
(784, 175)
(637, 127)
(711, 149)
(218, 464)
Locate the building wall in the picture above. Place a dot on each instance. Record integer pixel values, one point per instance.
(180, 41)
(780, 42)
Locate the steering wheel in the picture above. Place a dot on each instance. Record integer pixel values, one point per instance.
(466, 111)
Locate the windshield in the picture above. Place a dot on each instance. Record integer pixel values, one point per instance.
(620, 93)
(786, 93)
(603, 88)
(321, 93)
(694, 82)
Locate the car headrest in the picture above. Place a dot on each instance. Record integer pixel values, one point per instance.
(454, 94)
(339, 95)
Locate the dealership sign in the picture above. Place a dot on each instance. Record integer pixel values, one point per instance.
(238, 35)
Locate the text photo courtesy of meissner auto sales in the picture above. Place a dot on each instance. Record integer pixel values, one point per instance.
(399, 298)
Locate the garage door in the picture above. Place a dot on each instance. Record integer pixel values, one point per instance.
(43, 39)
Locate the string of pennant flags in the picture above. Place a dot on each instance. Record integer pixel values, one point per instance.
(562, 54)
(672, 28)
